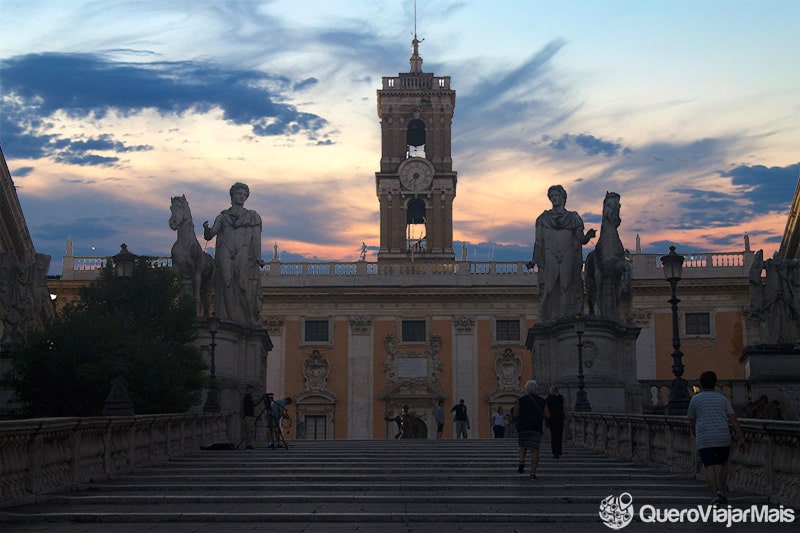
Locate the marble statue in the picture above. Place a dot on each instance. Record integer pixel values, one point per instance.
(188, 258)
(776, 301)
(557, 252)
(608, 273)
(237, 256)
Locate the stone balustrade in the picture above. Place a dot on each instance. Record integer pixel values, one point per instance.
(645, 266)
(44, 455)
(770, 466)
(655, 393)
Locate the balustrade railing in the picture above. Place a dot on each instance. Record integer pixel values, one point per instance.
(770, 466)
(655, 393)
(44, 455)
(645, 266)
(416, 82)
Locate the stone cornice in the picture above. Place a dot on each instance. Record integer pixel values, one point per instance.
(423, 294)
(14, 235)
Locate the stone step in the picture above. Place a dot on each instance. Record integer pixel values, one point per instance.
(368, 485)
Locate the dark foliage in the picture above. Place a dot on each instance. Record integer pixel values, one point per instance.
(66, 369)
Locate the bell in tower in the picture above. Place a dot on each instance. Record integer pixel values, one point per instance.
(416, 184)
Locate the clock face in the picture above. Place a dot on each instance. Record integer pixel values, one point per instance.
(416, 174)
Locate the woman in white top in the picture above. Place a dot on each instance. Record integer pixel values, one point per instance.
(499, 423)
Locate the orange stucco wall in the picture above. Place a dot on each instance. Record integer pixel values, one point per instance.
(719, 353)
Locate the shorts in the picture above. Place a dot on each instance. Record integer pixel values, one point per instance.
(439, 427)
(461, 427)
(530, 440)
(715, 456)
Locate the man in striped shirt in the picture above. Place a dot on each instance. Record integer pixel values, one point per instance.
(709, 413)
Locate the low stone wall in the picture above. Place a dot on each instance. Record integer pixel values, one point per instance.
(770, 466)
(44, 455)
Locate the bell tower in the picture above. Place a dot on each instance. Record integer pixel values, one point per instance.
(416, 184)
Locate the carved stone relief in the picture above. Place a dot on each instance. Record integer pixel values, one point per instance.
(464, 324)
(640, 317)
(274, 324)
(316, 370)
(23, 293)
(361, 325)
(412, 370)
(508, 369)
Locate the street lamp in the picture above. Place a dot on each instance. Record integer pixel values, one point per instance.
(118, 402)
(582, 400)
(679, 389)
(212, 403)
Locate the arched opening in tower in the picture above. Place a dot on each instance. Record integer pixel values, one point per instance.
(415, 225)
(415, 138)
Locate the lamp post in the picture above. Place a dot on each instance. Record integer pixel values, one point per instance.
(118, 402)
(582, 400)
(212, 402)
(679, 389)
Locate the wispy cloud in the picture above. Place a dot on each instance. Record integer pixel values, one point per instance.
(589, 144)
(90, 86)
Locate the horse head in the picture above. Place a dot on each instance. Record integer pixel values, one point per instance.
(181, 213)
(611, 206)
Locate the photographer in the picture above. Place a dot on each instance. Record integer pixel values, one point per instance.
(276, 410)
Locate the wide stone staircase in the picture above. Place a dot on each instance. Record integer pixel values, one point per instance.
(378, 485)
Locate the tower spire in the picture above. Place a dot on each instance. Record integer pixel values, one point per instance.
(415, 60)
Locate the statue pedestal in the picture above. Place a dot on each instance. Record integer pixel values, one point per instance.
(772, 362)
(773, 370)
(609, 362)
(240, 358)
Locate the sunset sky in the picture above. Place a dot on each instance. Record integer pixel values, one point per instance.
(689, 109)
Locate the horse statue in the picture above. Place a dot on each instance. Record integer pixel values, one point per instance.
(188, 258)
(608, 273)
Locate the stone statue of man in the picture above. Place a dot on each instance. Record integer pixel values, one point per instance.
(776, 300)
(237, 256)
(557, 252)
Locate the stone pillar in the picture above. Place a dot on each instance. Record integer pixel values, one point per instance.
(360, 388)
(645, 344)
(465, 371)
(276, 363)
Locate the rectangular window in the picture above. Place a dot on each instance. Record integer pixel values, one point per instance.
(316, 331)
(698, 324)
(507, 330)
(413, 331)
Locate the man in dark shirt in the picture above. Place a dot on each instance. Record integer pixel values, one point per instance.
(460, 419)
